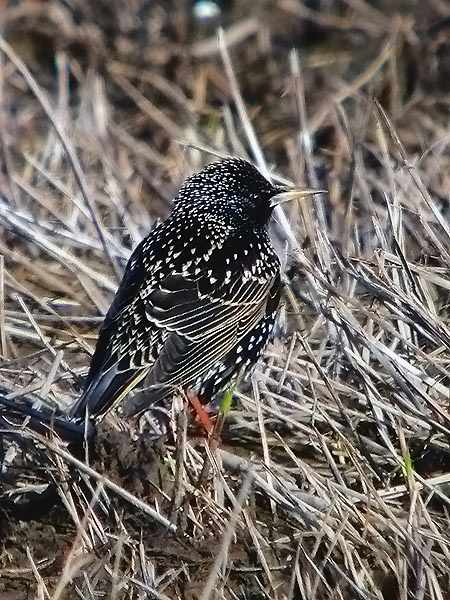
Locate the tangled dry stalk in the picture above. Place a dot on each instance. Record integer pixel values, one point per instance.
(333, 477)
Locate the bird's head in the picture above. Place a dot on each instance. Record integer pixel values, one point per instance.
(234, 185)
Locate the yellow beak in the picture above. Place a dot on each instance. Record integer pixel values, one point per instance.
(293, 194)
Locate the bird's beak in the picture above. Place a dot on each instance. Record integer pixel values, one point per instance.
(293, 194)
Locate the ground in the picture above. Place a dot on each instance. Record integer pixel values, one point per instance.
(332, 476)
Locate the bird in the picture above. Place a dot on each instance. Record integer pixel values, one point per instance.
(199, 296)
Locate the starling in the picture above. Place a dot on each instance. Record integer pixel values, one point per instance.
(199, 296)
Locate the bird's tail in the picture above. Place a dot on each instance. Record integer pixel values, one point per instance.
(105, 391)
(41, 421)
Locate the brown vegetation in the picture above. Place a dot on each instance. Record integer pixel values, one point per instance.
(332, 480)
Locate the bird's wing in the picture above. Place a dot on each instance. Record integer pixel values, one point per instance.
(204, 323)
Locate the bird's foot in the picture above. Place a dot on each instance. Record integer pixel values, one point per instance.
(213, 431)
(201, 414)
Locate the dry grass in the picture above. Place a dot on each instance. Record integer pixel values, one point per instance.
(333, 476)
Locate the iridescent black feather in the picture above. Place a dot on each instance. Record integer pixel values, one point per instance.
(199, 296)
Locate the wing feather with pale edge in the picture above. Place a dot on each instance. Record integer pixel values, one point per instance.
(204, 327)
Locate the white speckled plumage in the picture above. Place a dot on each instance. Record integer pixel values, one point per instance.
(198, 298)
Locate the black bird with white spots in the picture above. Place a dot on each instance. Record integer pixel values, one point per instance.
(198, 299)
